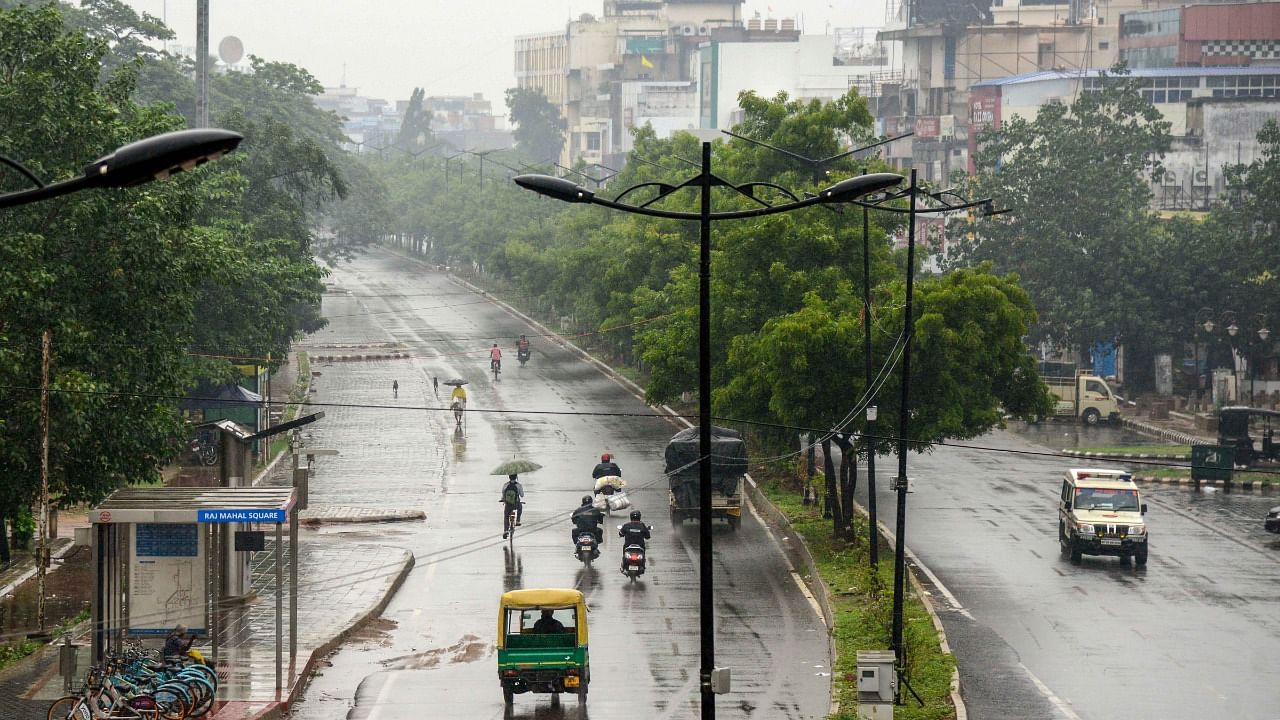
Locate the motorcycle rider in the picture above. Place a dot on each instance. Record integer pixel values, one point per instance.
(606, 468)
(633, 533)
(512, 499)
(522, 346)
(587, 519)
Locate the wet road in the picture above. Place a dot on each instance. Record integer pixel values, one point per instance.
(1196, 634)
(431, 654)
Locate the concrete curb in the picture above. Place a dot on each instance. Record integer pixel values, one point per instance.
(1176, 436)
(1122, 456)
(371, 517)
(914, 565)
(798, 556)
(304, 675)
(1250, 485)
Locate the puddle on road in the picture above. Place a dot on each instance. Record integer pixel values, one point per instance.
(469, 649)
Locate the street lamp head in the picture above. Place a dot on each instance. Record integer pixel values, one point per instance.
(855, 187)
(1232, 329)
(156, 158)
(555, 187)
(1208, 326)
(1263, 334)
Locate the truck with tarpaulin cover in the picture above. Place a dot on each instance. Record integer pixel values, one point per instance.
(728, 468)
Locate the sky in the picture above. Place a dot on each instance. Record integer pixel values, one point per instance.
(385, 48)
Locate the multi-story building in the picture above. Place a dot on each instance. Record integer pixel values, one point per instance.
(466, 122)
(627, 67)
(1196, 35)
(1214, 113)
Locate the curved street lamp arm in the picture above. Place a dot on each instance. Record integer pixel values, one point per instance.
(879, 205)
(644, 210)
(22, 169)
(44, 192)
(811, 161)
(748, 189)
(663, 190)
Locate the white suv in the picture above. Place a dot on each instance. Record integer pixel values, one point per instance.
(1100, 513)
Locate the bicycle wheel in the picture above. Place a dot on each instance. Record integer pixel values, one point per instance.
(64, 708)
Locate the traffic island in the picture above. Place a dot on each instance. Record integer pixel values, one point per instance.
(860, 602)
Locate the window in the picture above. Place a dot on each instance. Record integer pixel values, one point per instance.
(1104, 45)
(1106, 499)
(1094, 386)
(593, 140)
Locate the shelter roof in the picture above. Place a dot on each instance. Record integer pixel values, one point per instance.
(183, 505)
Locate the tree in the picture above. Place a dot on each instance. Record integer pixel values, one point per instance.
(112, 275)
(1080, 236)
(539, 128)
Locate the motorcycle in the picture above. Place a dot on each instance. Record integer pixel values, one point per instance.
(585, 547)
(633, 561)
(522, 354)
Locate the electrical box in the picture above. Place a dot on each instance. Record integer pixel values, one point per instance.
(720, 680)
(877, 677)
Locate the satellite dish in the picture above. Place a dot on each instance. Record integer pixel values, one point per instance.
(230, 50)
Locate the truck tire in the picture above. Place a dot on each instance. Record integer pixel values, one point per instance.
(676, 521)
(1076, 555)
(734, 522)
(1064, 543)
(1140, 556)
(1091, 416)
(508, 696)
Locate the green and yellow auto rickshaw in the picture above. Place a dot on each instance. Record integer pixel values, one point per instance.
(542, 643)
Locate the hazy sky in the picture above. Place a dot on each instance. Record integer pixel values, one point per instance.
(386, 47)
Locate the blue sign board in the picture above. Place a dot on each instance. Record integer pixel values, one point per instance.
(167, 540)
(1104, 359)
(241, 516)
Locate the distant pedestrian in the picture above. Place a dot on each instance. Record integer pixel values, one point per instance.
(395, 388)
(435, 384)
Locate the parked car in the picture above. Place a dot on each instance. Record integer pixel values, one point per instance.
(1272, 523)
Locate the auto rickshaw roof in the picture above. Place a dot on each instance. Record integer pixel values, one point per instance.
(540, 597)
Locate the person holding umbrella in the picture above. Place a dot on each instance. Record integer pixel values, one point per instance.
(512, 491)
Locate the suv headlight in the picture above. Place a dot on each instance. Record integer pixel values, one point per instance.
(1084, 528)
(1137, 529)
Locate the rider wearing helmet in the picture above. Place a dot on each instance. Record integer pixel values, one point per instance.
(606, 468)
(587, 518)
(634, 532)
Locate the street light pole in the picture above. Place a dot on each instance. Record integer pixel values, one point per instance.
(908, 327)
(844, 191)
(873, 533)
(706, 609)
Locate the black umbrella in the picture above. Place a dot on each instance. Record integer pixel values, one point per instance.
(456, 382)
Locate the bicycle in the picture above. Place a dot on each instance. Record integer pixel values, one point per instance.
(496, 366)
(510, 524)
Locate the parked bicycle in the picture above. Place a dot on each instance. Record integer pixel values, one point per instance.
(139, 685)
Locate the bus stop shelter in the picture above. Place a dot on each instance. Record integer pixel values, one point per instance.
(160, 559)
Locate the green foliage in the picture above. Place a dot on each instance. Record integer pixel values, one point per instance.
(1080, 237)
(143, 290)
(539, 128)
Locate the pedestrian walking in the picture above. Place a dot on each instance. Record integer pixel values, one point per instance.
(395, 388)
(435, 384)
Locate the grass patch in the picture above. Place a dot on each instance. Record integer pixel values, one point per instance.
(1164, 472)
(1181, 450)
(862, 601)
(13, 652)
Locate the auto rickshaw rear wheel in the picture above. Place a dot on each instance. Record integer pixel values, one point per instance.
(508, 695)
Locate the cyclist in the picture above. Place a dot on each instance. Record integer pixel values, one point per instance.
(512, 499)
(495, 357)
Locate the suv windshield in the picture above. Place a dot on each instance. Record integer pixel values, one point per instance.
(1106, 499)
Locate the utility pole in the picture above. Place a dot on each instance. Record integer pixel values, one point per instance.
(202, 64)
(42, 546)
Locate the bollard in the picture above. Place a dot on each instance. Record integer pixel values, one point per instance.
(67, 663)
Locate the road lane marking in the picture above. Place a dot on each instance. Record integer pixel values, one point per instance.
(1060, 704)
